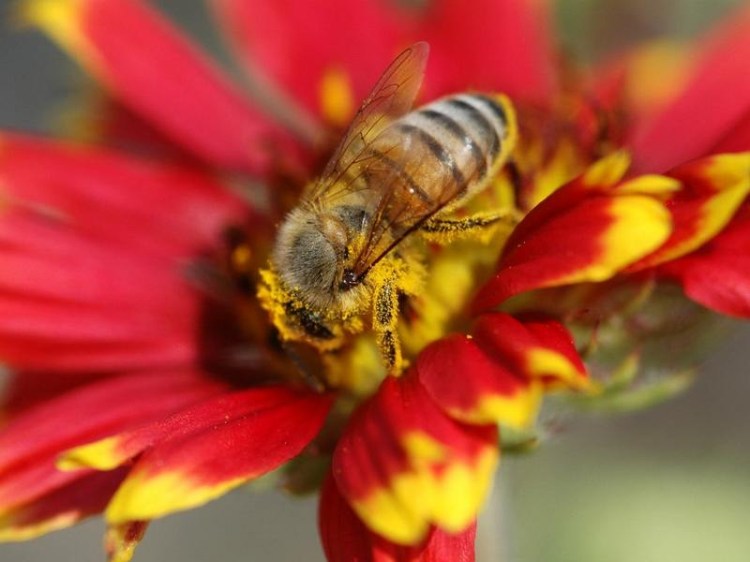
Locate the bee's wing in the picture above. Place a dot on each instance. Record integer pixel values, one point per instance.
(392, 97)
(394, 217)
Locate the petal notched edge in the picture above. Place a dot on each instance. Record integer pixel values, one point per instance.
(346, 538)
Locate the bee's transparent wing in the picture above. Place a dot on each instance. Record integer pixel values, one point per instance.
(394, 215)
(392, 97)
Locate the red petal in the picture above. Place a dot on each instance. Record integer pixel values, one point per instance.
(26, 389)
(99, 119)
(345, 538)
(737, 138)
(494, 46)
(104, 311)
(154, 71)
(403, 465)
(204, 452)
(718, 274)
(119, 297)
(179, 212)
(714, 107)
(297, 42)
(31, 442)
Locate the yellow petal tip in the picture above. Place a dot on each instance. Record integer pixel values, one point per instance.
(100, 455)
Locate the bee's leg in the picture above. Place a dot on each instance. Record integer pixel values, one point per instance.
(480, 225)
(385, 320)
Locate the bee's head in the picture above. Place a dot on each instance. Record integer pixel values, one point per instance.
(309, 254)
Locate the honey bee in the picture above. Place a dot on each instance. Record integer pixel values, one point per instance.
(347, 250)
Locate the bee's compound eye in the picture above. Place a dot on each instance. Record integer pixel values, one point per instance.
(349, 280)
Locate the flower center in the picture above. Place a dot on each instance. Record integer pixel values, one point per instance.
(241, 343)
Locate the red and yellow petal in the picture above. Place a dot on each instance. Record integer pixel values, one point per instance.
(31, 485)
(120, 541)
(713, 110)
(476, 388)
(178, 90)
(536, 348)
(205, 451)
(712, 190)
(588, 230)
(60, 508)
(404, 466)
(498, 374)
(118, 449)
(31, 441)
(346, 538)
(718, 274)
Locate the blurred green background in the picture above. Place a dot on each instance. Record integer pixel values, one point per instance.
(670, 484)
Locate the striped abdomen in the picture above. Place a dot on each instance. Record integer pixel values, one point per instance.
(440, 152)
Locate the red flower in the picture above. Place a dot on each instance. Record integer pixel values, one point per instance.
(146, 378)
